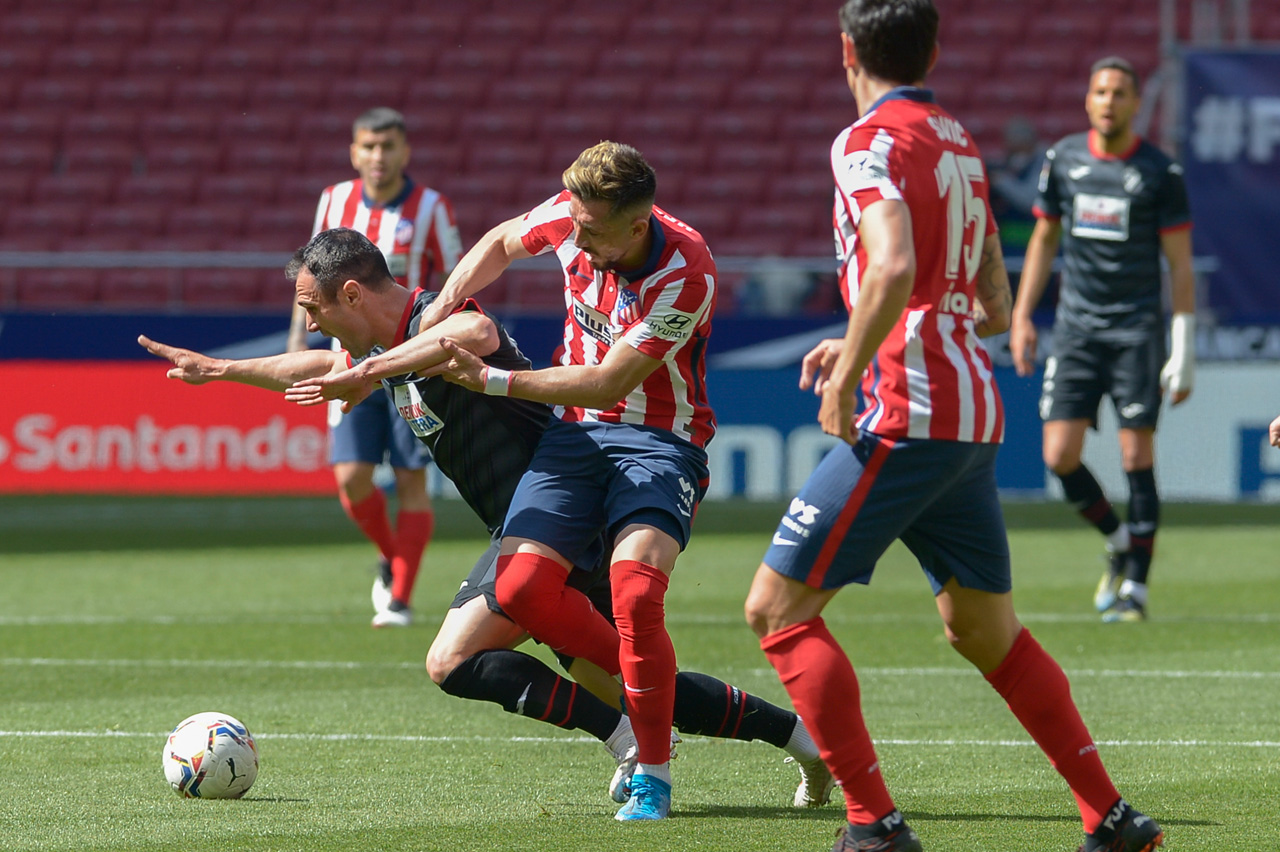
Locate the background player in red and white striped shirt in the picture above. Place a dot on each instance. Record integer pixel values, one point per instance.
(413, 226)
(626, 458)
(923, 277)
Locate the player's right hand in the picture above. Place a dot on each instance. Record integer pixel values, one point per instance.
(815, 369)
(1023, 338)
(191, 367)
(1275, 432)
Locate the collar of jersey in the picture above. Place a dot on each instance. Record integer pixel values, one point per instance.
(395, 202)
(906, 93)
(403, 328)
(655, 252)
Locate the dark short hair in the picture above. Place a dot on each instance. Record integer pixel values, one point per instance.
(1116, 63)
(379, 119)
(339, 255)
(612, 172)
(894, 38)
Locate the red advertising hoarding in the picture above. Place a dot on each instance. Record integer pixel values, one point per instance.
(83, 427)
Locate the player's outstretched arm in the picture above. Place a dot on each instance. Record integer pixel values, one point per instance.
(995, 300)
(599, 386)
(1036, 267)
(479, 268)
(275, 372)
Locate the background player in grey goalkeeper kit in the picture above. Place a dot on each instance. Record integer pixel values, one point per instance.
(483, 444)
(413, 226)
(923, 277)
(1117, 203)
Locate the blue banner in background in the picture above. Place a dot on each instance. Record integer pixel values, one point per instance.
(1231, 155)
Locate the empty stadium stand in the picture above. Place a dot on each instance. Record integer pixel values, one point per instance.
(187, 125)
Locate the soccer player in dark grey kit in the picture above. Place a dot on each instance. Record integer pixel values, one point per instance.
(483, 444)
(1116, 202)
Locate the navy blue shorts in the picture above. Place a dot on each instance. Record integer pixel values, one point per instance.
(588, 479)
(372, 432)
(939, 497)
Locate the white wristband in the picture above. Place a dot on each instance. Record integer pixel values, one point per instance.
(496, 382)
(1180, 370)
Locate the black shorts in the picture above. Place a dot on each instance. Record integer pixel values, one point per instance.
(1082, 370)
(594, 583)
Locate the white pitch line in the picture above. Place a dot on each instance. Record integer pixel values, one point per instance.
(870, 671)
(409, 738)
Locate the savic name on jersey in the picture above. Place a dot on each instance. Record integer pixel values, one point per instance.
(931, 377)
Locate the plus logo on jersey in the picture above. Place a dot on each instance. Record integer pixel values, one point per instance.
(593, 322)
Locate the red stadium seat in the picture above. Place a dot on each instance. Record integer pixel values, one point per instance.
(263, 26)
(16, 187)
(237, 59)
(228, 288)
(35, 27)
(57, 287)
(288, 92)
(455, 91)
(674, 28)
(1066, 28)
(142, 288)
(261, 155)
(142, 92)
(808, 188)
(133, 220)
(335, 160)
(22, 60)
(101, 156)
(712, 219)
(173, 188)
(743, 155)
(102, 126)
(90, 188)
(542, 60)
(67, 93)
(293, 220)
(788, 219)
(787, 60)
(963, 61)
(273, 126)
(41, 126)
(60, 219)
(542, 91)
(705, 93)
(655, 127)
(676, 158)
(639, 63)
(1041, 60)
(224, 92)
(489, 189)
(362, 92)
(87, 60)
(505, 30)
(216, 221)
(408, 62)
(504, 157)
(581, 128)
(752, 245)
(511, 124)
(118, 26)
(748, 26)
(590, 26)
(367, 28)
(729, 124)
(202, 27)
(729, 60)
(624, 90)
(721, 185)
(990, 30)
(427, 26)
(478, 57)
(161, 59)
(235, 189)
(32, 157)
(770, 93)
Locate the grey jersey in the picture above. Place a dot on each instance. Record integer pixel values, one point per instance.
(1113, 210)
(482, 443)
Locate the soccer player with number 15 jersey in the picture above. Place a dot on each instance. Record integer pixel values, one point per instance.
(923, 278)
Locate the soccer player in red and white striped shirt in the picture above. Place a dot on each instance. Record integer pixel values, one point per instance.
(626, 457)
(413, 226)
(923, 278)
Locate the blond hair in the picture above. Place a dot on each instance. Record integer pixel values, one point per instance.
(612, 172)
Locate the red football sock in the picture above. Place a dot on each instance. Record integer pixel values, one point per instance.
(1039, 695)
(370, 515)
(647, 656)
(413, 532)
(824, 691)
(532, 590)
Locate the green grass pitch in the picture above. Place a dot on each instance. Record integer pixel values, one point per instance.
(111, 631)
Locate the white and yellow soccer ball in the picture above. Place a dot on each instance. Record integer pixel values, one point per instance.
(210, 756)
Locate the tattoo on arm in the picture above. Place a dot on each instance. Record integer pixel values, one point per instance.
(992, 289)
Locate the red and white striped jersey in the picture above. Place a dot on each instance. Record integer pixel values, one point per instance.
(931, 377)
(663, 310)
(416, 231)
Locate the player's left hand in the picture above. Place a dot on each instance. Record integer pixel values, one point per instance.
(835, 416)
(1177, 378)
(344, 385)
(463, 367)
(815, 369)
(1275, 432)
